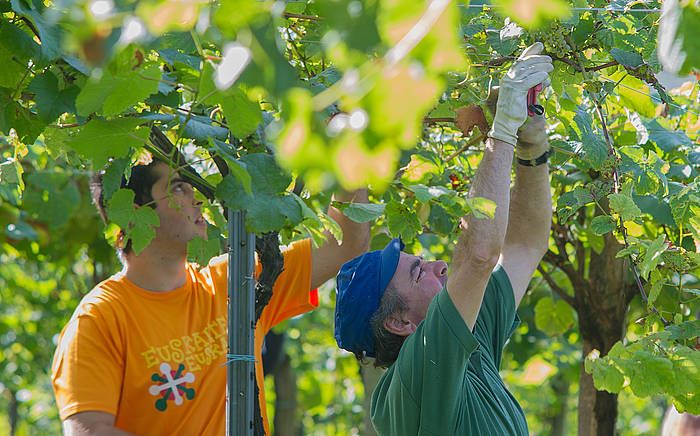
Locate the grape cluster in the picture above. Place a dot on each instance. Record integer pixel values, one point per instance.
(554, 39)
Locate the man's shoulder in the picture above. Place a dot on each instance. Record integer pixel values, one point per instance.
(104, 296)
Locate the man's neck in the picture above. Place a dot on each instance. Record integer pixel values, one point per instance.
(157, 269)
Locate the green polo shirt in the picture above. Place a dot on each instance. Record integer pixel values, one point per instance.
(445, 380)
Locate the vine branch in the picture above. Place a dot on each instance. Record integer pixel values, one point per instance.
(556, 288)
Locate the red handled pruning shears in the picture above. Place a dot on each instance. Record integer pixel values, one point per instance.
(532, 106)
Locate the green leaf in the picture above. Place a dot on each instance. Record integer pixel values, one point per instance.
(137, 222)
(570, 202)
(427, 193)
(99, 140)
(602, 224)
(652, 256)
(656, 281)
(402, 221)
(595, 150)
(11, 173)
(269, 207)
(553, 318)
(242, 114)
(624, 205)
(634, 94)
(112, 178)
(201, 250)
(606, 375)
(111, 94)
(626, 58)
(362, 212)
(50, 102)
(667, 140)
(16, 47)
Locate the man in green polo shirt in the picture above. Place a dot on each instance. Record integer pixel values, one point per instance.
(441, 335)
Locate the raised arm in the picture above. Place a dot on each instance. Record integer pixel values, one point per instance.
(530, 214)
(327, 259)
(481, 240)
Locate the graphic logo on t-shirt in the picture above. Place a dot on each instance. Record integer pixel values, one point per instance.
(171, 385)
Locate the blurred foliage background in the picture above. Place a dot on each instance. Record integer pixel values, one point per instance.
(346, 93)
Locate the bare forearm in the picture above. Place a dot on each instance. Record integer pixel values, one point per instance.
(327, 259)
(530, 214)
(485, 237)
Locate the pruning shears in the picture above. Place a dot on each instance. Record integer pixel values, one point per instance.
(532, 106)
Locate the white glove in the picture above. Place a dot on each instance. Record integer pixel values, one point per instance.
(532, 139)
(530, 69)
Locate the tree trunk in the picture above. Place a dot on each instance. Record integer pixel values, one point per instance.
(13, 412)
(602, 299)
(370, 378)
(286, 422)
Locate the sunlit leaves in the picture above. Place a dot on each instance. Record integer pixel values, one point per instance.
(553, 317)
(659, 362)
(99, 139)
(137, 222)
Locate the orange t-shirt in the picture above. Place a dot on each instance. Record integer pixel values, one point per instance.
(155, 360)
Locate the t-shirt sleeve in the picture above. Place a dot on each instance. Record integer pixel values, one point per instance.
(88, 364)
(497, 317)
(292, 294)
(429, 370)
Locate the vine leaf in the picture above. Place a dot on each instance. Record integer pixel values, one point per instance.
(99, 139)
(361, 212)
(624, 205)
(137, 222)
(50, 101)
(269, 206)
(602, 224)
(553, 317)
(402, 221)
(113, 93)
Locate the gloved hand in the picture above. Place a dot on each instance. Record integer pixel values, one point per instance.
(532, 139)
(528, 70)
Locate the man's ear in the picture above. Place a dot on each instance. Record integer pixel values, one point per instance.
(399, 325)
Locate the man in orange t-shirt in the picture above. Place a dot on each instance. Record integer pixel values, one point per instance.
(144, 352)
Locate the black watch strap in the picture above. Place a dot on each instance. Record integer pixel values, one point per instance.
(537, 161)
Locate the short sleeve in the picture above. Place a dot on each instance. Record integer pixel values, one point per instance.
(429, 367)
(292, 294)
(87, 369)
(497, 317)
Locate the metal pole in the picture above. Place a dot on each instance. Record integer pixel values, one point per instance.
(240, 371)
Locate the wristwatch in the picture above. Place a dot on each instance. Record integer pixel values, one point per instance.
(536, 161)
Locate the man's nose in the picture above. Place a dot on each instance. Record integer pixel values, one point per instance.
(440, 268)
